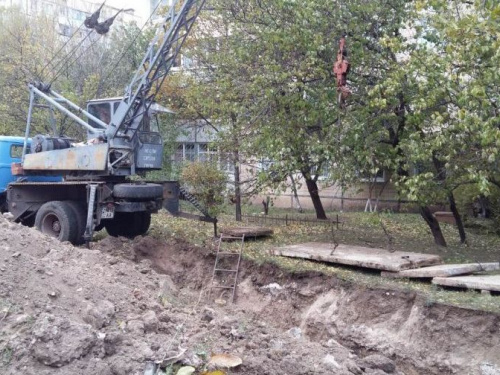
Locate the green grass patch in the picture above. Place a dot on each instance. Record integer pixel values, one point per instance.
(408, 232)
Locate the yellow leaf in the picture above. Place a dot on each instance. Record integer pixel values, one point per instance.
(225, 360)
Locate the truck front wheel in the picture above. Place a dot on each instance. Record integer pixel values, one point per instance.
(57, 219)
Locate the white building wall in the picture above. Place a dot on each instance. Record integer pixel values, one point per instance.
(72, 13)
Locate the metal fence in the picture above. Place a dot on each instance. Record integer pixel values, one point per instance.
(290, 219)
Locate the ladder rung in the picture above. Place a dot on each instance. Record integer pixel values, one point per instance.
(223, 270)
(223, 287)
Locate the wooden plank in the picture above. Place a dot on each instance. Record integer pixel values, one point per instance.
(489, 282)
(379, 259)
(444, 270)
(247, 231)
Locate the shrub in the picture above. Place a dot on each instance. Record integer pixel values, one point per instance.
(207, 183)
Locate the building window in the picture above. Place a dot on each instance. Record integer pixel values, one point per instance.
(202, 152)
(377, 177)
(192, 152)
(189, 152)
(264, 165)
(226, 164)
(179, 154)
(65, 30)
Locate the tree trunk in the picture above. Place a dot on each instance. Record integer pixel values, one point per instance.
(380, 194)
(342, 197)
(312, 187)
(433, 225)
(458, 218)
(295, 193)
(265, 203)
(237, 184)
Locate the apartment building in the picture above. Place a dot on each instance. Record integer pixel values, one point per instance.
(70, 14)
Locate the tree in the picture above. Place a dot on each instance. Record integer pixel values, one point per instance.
(80, 68)
(267, 84)
(215, 97)
(457, 111)
(26, 45)
(206, 182)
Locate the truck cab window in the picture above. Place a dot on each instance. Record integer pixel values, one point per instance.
(102, 111)
(16, 151)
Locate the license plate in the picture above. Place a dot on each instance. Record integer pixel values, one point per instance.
(108, 212)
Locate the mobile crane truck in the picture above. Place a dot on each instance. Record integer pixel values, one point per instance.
(69, 191)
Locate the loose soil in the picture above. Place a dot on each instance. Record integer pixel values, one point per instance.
(122, 305)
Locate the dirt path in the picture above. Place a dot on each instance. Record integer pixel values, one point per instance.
(123, 304)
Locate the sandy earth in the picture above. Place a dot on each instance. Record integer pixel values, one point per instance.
(124, 307)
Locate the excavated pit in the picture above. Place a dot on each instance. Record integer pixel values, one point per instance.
(113, 309)
(421, 337)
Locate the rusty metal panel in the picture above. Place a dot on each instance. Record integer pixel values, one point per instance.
(84, 158)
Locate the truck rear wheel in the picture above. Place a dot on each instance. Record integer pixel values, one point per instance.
(128, 224)
(57, 219)
(80, 215)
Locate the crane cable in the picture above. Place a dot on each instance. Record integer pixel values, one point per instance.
(91, 22)
(129, 46)
(67, 62)
(58, 51)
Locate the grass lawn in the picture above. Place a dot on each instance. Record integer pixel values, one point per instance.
(408, 233)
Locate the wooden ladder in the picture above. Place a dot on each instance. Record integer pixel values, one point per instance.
(223, 269)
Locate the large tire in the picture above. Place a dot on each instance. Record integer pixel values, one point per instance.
(56, 219)
(3, 203)
(80, 214)
(142, 221)
(128, 224)
(138, 191)
(116, 226)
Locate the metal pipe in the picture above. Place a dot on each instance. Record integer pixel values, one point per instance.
(80, 110)
(28, 125)
(53, 121)
(64, 110)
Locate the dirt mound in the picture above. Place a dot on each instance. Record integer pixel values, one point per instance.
(67, 310)
(126, 306)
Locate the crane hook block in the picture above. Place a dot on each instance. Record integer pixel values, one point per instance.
(103, 27)
(341, 69)
(93, 20)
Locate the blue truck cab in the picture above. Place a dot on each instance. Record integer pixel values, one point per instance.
(11, 151)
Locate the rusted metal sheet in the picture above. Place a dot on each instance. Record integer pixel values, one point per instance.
(16, 169)
(85, 158)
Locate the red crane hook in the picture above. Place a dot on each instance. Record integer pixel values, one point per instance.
(341, 69)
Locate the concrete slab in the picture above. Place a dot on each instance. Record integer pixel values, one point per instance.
(491, 282)
(444, 270)
(247, 231)
(379, 259)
